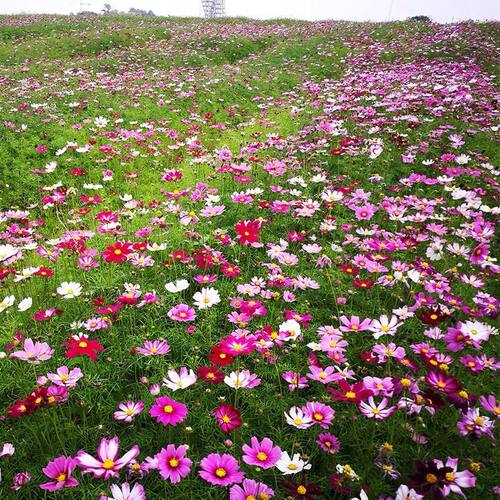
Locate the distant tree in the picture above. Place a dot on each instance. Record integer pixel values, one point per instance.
(107, 8)
(141, 12)
(420, 19)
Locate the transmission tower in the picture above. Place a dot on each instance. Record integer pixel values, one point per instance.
(213, 8)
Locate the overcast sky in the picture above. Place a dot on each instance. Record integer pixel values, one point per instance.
(356, 10)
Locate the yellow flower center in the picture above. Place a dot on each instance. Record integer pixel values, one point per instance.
(261, 456)
(168, 409)
(108, 464)
(61, 477)
(220, 472)
(431, 479)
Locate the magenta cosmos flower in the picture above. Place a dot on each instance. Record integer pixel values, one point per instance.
(107, 464)
(168, 411)
(250, 489)
(221, 470)
(263, 454)
(172, 463)
(60, 470)
(182, 312)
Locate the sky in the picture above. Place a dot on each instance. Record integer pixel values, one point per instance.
(355, 10)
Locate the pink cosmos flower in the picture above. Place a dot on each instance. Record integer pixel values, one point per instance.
(250, 489)
(154, 348)
(182, 312)
(107, 464)
(7, 450)
(365, 212)
(34, 352)
(353, 324)
(172, 463)
(480, 253)
(263, 454)
(128, 410)
(323, 375)
(379, 386)
(378, 411)
(227, 417)
(60, 470)
(455, 480)
(124, 492)
(65, 377)
(319, 413)
(167, 411)
(220, 470)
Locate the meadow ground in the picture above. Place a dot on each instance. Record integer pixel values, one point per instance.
(259, 255)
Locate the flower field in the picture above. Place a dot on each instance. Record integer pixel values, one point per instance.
(247, 260)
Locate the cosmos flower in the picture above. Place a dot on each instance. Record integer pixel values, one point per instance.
(182, 312)
(291, 465)
(128, 410)
(220, 470)
(167, 411)
(125, 492)
(60, 470)
(261, 454)
(172, 463)
(69, 290)
(227, 417)
(181, 380)
(65, 376)
(250, 489)
(154, 348)
(107, 464)
(206, 298)
(33, 352)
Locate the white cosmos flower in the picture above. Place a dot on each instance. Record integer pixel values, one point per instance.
(25, 304)
(69, 290)
(7, 302)
(384, 326)
(177, 286)
(288, 465)
(291, 327)
(179, 380)
(26, 273)
(205, 298)
(297, 418)
(100, 122)
(7, 251)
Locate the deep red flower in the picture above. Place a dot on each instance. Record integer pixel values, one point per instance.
(228, 417)
(432, 316)
(349, 269)
(210, 374)
(20, 408)
(359, 283)
(219, 357)
(350, 393)
(83, 347)
(248, 231)
(230, 270)
(118, 252)
(44, 272)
